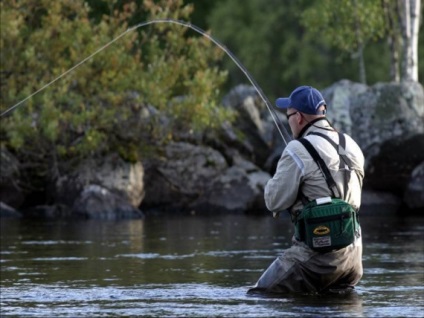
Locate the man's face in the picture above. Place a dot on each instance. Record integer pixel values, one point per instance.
(294, 118)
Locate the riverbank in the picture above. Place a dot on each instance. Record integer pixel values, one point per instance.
(226, 170)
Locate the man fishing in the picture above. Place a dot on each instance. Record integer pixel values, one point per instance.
(317, 182)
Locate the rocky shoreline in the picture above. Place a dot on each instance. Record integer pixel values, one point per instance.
(225, 172)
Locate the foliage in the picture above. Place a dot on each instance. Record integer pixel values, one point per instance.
(282, 49)
(345, 23)
(102, 106)
(350, 25)
(269, 40)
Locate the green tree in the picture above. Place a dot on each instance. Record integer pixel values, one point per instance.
(350, 25)
(346, 24)
(281, 50)
(102, 106)
(269, 40)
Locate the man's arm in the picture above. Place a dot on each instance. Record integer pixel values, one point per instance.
(281, 191)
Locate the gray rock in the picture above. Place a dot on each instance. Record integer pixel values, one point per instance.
(252, 121)
(96, 202)
(199, 179)
(181, 175)
(238, 189)
(388, 124)
(112, 179)
(338, 98)
(414, 194)
(390, 169)
(387, 111)
(378, 202)
(229, 192)
(55, 211)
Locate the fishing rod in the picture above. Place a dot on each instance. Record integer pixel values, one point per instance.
(277, 121)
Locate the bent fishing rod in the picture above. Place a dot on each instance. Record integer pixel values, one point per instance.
(277, 121)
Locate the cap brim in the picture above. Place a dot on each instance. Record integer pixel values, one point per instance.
(282, 103)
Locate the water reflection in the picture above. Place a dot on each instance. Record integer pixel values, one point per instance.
(193, 266)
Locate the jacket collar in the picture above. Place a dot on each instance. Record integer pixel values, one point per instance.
(320, 123)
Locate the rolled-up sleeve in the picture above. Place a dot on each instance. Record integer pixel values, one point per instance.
(282, 189)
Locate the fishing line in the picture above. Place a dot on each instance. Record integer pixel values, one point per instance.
(277, 121)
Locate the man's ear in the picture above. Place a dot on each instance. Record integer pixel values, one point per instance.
(300, 119)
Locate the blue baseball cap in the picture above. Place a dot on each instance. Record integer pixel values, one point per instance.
(305, 99)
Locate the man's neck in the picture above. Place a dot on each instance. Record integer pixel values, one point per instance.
(310, 124)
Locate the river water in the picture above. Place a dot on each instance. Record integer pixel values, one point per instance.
(194, 266)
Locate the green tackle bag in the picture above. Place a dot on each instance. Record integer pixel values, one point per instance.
(327, 224)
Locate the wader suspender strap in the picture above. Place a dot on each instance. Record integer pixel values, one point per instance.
(340, 149)
(345, 163)
(322, 166)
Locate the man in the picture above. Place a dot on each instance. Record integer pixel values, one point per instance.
(299, 180)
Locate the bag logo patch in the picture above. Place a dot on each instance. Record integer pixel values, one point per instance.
(321, 230)
(321, 241)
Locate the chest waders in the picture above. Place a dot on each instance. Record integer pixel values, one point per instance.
(328, 223)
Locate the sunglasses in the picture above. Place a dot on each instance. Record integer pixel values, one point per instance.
(289, 115)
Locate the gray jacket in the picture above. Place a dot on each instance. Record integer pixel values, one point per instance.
(297, 172)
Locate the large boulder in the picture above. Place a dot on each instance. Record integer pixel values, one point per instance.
(252, 121)
(338, 98)
(262, 143)
(238, 189)
(198, 178)
(97, 202)
(388, 124)
(391, 167)
(379, 203)
(414, 193)
(180, 174)
(102, 189)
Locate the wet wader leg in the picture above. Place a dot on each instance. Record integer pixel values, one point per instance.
(282, 276)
